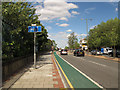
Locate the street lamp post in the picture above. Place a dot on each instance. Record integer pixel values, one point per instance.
(87, 28)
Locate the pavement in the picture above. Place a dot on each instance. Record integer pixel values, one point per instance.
(105, 57)
(45, 75)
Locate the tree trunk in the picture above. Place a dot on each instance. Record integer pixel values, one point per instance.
(96, 51)
(114, 52)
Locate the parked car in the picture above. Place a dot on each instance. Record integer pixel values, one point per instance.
(117, 53)
(99, 53)
(106, 50)
(63, 52)
(96, 52)
(79, 52)
(59, 50)
(93, 52)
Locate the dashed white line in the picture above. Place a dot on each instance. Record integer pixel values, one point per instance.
(91, 61)
(98, 63)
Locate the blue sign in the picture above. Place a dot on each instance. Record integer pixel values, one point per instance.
(102, 50)
(34, 28)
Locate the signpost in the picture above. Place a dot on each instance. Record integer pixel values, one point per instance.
(34, 29)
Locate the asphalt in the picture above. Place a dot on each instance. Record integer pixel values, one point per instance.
(104, 72)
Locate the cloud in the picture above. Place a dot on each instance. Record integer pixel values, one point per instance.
(69, 30)
(74, 12)
(87, 11)
(61, 32)
(54, 9)
(63, 18)
(116, 9)
(114, 0)
(48, 27)
(60, 38)
(64, 25)
(49, 35)
(68, 35)
(93, 27)
(57, 23)
(82, 35)
(38, 6)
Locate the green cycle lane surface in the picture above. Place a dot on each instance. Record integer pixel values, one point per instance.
(75, 77)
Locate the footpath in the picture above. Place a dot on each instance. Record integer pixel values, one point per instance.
(45, 75)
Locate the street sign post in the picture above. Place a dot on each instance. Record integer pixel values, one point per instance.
(34, 29)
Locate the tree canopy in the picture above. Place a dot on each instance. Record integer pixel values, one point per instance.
(16, 41)
(105, 34)
(73, 41)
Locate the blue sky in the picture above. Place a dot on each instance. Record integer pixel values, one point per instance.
(62, 18)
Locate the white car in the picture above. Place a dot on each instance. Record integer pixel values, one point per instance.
(107, 50)
(99, 53)
(64, 52)
(59, 50)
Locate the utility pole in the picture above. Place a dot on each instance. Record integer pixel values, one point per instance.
(87, 28)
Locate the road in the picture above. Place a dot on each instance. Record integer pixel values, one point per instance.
(104, 72)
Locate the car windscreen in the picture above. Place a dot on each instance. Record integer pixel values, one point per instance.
(80, 50)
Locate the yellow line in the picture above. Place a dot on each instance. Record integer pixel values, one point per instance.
(64, 74)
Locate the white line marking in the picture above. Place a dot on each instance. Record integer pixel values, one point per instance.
(92, 62)
(82, 73)
(98, 63)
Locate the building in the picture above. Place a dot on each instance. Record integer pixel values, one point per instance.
(83, 44)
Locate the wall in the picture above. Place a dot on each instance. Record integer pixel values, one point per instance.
(15, 65)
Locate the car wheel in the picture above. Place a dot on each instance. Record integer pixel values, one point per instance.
(110, 55)
(118, 56)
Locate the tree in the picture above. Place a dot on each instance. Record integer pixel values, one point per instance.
(105, 34)
(66, 47)
(15, 35)
(71, 40)
(76, 45)
(54, 44)
(16, 40)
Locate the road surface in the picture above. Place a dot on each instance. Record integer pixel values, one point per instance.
(104, 72)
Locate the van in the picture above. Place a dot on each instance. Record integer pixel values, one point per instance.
(107, 50)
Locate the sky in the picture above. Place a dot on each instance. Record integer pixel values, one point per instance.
(61, 18)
